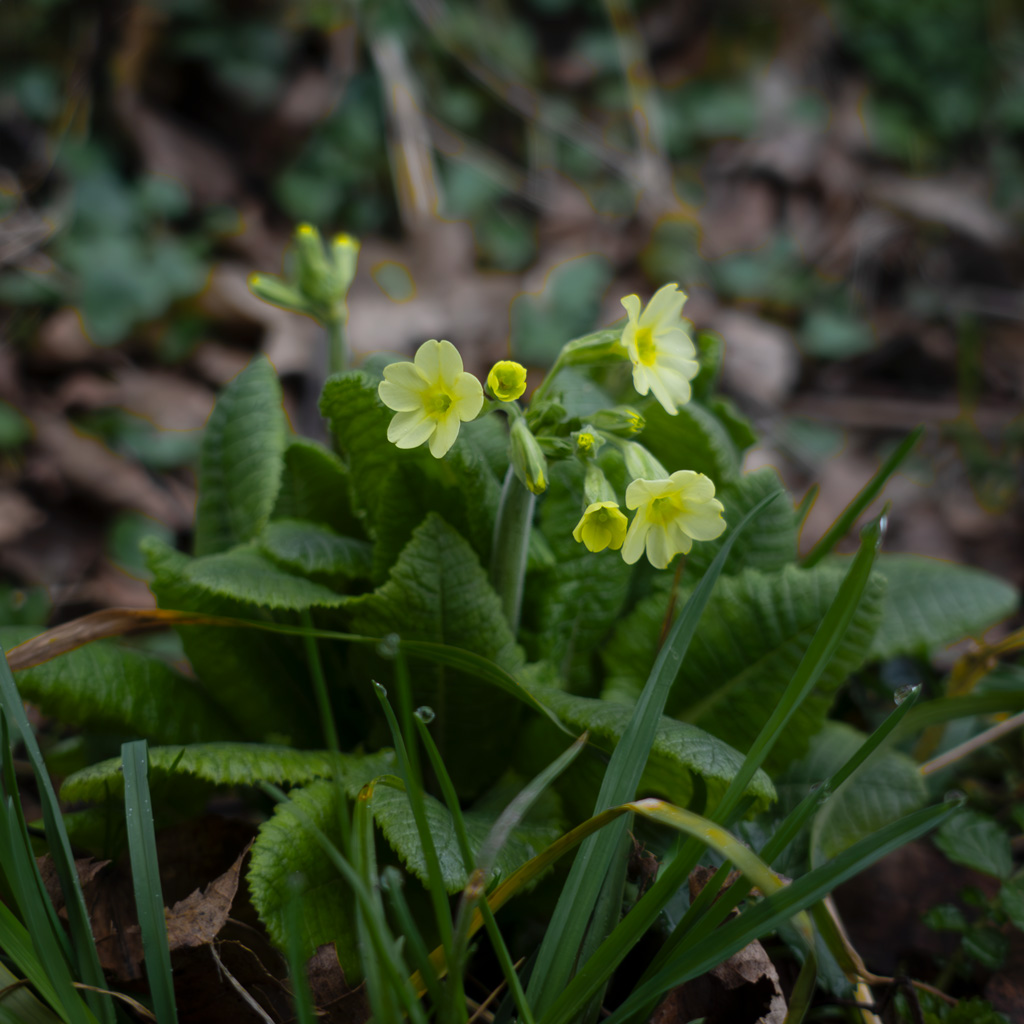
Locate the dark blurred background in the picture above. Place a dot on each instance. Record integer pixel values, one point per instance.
(839, 185)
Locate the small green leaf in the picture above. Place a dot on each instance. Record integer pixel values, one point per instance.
(930, 604)
(460, 488)
(283, 850)
(976, 841)
(254, 676)
(567, 613)
(438, 592)
(1011, 899)
(692, 439)
(241, 460)
(227, 764)
(885, 788)
(987, 946)
(680, 751)
(393, 814)
(359, 422)
(105, 687)
(314, 486)
(745, 651)
(772, 546)
(946, 917)
(243, 574)
(313, 549)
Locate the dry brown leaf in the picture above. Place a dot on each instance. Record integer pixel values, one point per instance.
(742, 990)
(336, 1003)
(198, 919)
(97, 626)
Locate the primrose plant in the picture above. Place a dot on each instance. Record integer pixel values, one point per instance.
(591, 565)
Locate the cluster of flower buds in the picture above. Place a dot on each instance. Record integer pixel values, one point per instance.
(433, 395)
(320, 278)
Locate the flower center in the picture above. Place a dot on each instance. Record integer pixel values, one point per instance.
(662, 510)
(438, 403)
(646, 350)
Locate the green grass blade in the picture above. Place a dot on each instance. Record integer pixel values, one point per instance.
(592, 871)
(18, 946)
(496, 838)
(599, 967)
(770, 913)
(435, 882)
(149, 898)
(19, 1005)
(391, 883)
(381, 993)
(842, 526)
(379, 952)
(302, 998)
(947, 709)
(86, 959)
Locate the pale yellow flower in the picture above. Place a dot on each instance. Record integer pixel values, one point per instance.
(663, 355)
(602, 526)
(671, 514)
(432, 396)
(507, 380)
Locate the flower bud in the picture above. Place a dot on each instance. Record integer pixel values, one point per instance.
(599, 347)
(527, 458)
(507, 380)
(623, 421)
(596, 488)
(278, 293)
(640, 463)
(312, 268)
(344, 254)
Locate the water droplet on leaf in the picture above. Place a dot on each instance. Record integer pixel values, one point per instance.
(426, 715)
(388, 647)
(905, 692)
(380, 688)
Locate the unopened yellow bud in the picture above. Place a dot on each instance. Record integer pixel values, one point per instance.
(507, 380)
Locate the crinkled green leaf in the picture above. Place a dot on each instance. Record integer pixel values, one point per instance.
(315, 550)
(977, 841)
(284, 849)
(243, 574)
(438, 592)
(228, 764)
(314, 486)
(930, 603)
(252, 675)
(692, 439)
(241, 460)
(885, 788)
(572, 604)
(359, 422)
(772, 545)
(680, 751)
(460, 488)
(393, 815)
(748, 645)
(106, 687)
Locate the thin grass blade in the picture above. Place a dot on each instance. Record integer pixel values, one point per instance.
(769, 914)
(842, 526)
(826, 639)
(87, 964)
(149, 898)
(592, 872)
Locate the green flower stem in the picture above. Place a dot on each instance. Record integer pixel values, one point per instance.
(592, 349)
(511, 541)
(337, 349)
